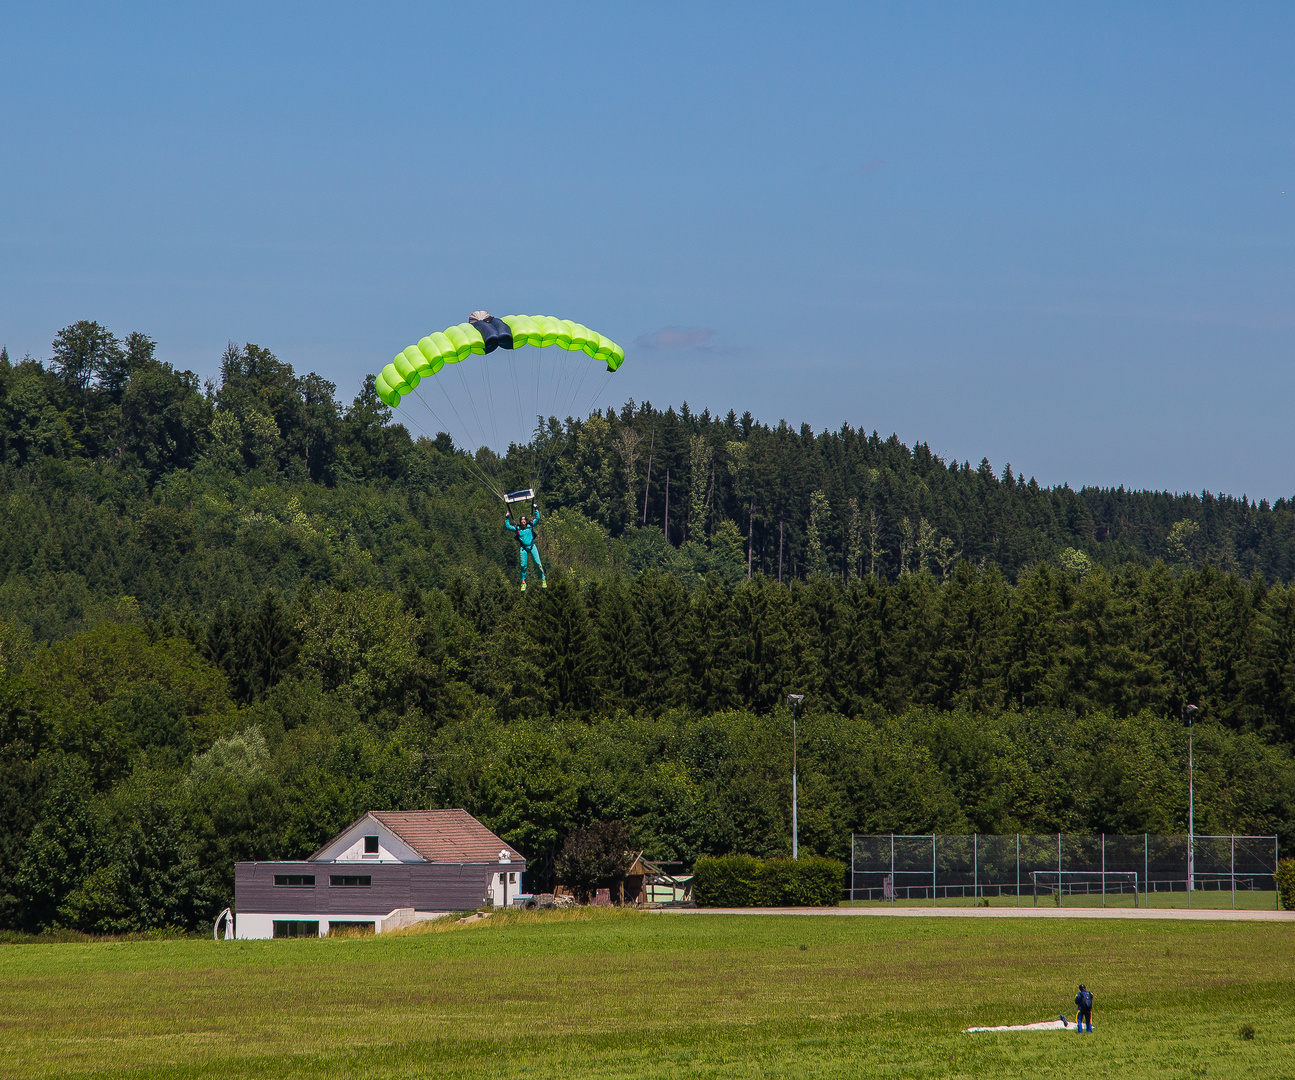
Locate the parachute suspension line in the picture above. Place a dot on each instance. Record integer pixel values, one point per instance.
(602, 385)
(453, 408)
(517, 399)
(478, 434)
(561, 403)
(539, 400)
(562, 400)
(526, 432)
(575, 394)
(490, 406)
(491, 482)
(476, 469)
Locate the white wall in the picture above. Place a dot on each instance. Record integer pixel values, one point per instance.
(514, 878)
(253, 926)
(247, 927)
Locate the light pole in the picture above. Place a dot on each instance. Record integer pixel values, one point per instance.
(1189, 714)
(795, 700)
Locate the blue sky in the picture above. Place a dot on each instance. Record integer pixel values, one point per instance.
(1056, 237)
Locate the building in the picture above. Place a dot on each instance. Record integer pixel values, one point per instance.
(389, 869)
(644, 883)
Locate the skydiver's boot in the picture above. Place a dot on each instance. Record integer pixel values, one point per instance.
(523, 586)
(544, 583)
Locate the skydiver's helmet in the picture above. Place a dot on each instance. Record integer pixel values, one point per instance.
(525, 521)
(479, 316)
(1081, 987)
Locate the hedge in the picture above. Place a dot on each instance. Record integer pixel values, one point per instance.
(745, 881)
(1286, 883)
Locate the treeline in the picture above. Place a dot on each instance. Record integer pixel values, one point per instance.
(233, 617)
(124, 476)
(138, 761)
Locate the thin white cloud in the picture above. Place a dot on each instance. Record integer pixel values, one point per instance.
(675, 337)
(870, 166)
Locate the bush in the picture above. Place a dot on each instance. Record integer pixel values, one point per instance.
(1286, 883)
(810, 881)
(745, 881)
(728, 881)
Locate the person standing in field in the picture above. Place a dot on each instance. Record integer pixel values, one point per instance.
(1084, 1003)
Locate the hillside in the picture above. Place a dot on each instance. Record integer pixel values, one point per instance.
(236, 616)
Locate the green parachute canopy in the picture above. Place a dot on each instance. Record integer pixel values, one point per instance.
(484, 335)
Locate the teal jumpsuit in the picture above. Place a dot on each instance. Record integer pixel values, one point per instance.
(526, 544)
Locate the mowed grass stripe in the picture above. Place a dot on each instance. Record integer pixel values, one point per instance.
(622, 993)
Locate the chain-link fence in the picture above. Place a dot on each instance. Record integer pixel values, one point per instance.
(1062, 869)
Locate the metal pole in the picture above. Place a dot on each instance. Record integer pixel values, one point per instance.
(1018, 869)
(892, 869)
(795, 831)
(933, 870)
(1103, 869)
(852, 869)
(1146, 872)
(1058, 869)
(1191, 821)
(795, 847)
(975, 869)
(1234, 871)
(794, 700)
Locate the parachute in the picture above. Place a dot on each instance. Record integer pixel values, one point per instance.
(481, 336)
(488, 405)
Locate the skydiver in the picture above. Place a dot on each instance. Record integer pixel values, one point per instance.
(524, 531)
(1084, 1000)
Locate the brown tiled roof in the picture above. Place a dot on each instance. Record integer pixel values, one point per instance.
(445, 835)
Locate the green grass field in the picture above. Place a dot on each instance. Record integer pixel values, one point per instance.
(623, 994)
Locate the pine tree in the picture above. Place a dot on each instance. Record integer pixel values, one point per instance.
(854, 542)
(815, 550)
(568, 650)
(701, 477)
(621, 652)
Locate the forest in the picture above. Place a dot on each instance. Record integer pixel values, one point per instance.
(235, 616)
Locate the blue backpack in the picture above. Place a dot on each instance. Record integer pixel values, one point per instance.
(1086, 1000)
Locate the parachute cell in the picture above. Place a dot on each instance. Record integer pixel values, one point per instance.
(432, 360)
(384, 391)
(461, 342)
(394, 379)
(405, 366)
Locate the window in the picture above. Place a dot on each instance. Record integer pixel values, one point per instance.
(512, 879)
(370, 845)
(349, 881)
(348, 928)
(290, 928)
(295, 881)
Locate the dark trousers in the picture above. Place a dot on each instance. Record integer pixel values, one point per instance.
(1084, 1015)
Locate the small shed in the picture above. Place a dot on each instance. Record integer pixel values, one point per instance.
(645, 883)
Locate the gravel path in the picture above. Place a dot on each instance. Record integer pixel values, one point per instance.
(1224, 915)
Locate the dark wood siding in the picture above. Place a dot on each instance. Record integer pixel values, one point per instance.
(422, 886)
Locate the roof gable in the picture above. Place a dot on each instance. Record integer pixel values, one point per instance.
(442, 836)
(446, 835)
(349, 846)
